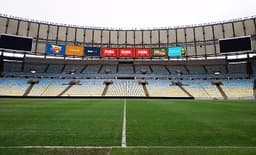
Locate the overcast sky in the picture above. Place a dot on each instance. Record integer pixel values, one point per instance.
(129, 13)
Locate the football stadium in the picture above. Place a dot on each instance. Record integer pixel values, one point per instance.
(67, 89)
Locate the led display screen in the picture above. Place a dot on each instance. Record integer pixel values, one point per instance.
(235, 45)
(15, 42)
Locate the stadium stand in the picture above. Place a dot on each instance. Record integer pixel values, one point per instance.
(108, 69)
(39, 68)
(238, 89)
(48, 87)
(159, 69)
(253, 64)
(125, 88)
(54, 68)
(86, 88)
(211, 89)
(237, 69)
(68, 69)
(142, 69)
(203, 73)
(175, 70)
(196, 88)
(164, 88)
(125, 69)
(200, 89)
(13, 86)
(91, 69)
(12, 67)
(196, 69)
(40, 88)
(211, 69)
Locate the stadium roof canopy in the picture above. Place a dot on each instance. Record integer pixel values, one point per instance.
(130, 14)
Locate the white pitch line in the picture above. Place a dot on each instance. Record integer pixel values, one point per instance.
(130, 147)
(123, 142)
(56, 147)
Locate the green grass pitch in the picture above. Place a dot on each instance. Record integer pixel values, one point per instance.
(190, 127)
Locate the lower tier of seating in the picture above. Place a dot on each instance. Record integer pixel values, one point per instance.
(199, 89)
(125, 88)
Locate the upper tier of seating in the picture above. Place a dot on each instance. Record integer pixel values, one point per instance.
(125, 69)
(17, 67)
(108, 69)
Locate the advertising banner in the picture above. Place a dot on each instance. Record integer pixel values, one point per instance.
(176, 51)
(92, 51)
(109, 52)
(56, 49)
(126, 52)
(74, 50)
(142, 52)
(159, 52)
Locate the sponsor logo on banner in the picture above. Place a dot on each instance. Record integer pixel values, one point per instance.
(183, 51)
(126, 52)
(108, 52)
(159, 52)
(92, 51)
(74, 50)
(55, 49)
(142, 52)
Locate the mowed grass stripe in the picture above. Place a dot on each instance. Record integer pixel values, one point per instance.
(60, 122)
(191, 123)
(183, 151)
